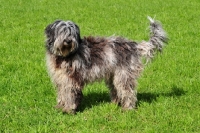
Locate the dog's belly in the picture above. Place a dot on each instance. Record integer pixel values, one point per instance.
(97, 73)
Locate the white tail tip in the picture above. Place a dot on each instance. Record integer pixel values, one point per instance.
(150, 19)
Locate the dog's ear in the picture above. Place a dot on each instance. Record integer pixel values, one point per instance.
(78, 33)
(50, 32)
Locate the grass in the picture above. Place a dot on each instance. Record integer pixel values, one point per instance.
(168, 90)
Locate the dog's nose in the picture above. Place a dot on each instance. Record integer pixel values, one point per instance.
(58, 50)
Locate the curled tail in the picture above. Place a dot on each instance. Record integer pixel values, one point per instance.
(156, 42)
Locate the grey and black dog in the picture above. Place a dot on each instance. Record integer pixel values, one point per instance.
(73, 61)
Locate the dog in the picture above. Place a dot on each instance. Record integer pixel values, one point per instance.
(73, 62)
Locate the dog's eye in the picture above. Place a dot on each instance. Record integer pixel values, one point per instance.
(51, 43)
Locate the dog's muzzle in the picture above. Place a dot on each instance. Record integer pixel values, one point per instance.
(63, 48)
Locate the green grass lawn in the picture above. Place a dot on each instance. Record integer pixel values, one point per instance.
(168, 90)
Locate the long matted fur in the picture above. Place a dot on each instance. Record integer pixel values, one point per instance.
(73, 61)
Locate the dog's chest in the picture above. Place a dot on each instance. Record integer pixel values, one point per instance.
(57, 69)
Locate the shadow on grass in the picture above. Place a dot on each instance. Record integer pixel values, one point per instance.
(94, 99)
(150, 97)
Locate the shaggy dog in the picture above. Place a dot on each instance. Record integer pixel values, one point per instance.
(73, 62)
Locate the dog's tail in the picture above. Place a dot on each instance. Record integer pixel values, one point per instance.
(156, 42)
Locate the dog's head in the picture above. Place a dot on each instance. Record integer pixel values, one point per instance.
(63, 38)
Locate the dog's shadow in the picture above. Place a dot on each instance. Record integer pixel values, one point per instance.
(150, 97)
(94, 99)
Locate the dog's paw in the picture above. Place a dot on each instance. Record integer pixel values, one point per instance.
(59, 106)
(69, 111)
(129, 108)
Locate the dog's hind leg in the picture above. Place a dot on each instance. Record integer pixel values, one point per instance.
(125, 84)
(113, 91)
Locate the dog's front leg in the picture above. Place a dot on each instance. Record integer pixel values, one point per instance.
(72, 100)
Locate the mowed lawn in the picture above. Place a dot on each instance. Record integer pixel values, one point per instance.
(168, 89)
